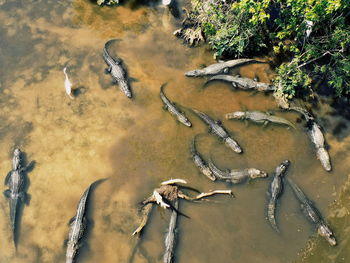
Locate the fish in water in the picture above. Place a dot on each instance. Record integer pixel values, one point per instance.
(67, 84)
(275, 191)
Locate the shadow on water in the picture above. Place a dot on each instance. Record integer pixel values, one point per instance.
(80, 90)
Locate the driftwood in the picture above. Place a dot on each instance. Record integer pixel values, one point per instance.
(168, 192)
(191, 31)
(170, 237)
(146, 211)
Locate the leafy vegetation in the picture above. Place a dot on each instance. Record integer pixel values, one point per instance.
(107, 2)
(312, 37)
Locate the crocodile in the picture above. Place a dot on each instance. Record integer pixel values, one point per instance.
(258, 117)
(317, 138)
(171, 107)
(312, 214)
(170, 236)
(17, 181)
(236, 176)
(275, 191)
(116, 70)
(243, 83)
(200, 162)
(216, 128)
(77, 228)
(221, 67)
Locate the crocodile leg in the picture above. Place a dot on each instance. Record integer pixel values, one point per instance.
(146, 210)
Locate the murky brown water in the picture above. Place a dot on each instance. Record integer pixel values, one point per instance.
(136, 144)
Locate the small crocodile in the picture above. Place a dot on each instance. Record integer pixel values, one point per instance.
(317, 138)
(312, 214)
(243, 83)
(17, 181)
(258, 117)
(199, 161)
(221, 67)
(170, 236)
(116, 70)
(216, 128)
(275, 190)
(171, 107)
(235, 176)
(77, 228)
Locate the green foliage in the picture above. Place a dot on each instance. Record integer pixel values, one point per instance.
(245, 27)
(223, 27)
(107, 2)
(290, 77)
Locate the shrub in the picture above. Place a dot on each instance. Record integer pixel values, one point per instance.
(314, 36)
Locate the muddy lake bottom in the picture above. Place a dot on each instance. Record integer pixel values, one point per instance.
(136, 144)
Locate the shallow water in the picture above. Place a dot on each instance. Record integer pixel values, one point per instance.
(136, 144)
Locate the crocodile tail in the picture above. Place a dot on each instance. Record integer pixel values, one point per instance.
(193, 143)
(271, 214)
(162, 88)
(109, 41)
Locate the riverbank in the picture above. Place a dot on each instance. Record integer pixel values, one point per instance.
(308, 41)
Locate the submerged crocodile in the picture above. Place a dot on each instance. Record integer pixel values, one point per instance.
(216, 128)
(243, 83)
(171, 235)
(221, 67)
(199, 161)
(77, 227)
(236, 176)
(171, 107)
(258, 117)
(275, 190)
(16, 181)
(116, 70)
(313, 215)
